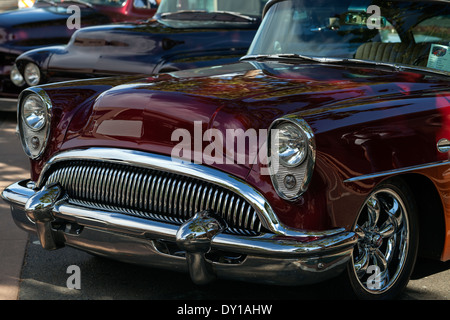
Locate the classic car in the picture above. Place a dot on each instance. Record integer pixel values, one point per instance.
(323, 152)
(52, 22)
(182, 35)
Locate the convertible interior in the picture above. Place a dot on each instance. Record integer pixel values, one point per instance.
(403, 53)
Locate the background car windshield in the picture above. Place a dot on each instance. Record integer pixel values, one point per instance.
(112, 3)
(407, 32)
(247, 7)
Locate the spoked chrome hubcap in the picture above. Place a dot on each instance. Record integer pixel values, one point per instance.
(383, 238)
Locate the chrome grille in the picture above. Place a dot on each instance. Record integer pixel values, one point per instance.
(151, 194)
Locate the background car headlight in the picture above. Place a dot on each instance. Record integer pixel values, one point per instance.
(32, 74)
(292, 156)
(16, 77)
(34, 121)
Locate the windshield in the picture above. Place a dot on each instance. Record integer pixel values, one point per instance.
(112, 3)
(413, 33)
(244, 7)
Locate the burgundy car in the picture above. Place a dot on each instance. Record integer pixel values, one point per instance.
(52, 22)
(324, 152)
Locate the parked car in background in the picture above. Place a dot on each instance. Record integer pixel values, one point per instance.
(182, 35)
(46, 24)
(322, 152)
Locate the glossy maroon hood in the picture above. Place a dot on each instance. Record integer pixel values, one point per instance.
(145, 114)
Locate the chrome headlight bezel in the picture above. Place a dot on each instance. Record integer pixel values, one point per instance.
(291, 180)
(34, 139)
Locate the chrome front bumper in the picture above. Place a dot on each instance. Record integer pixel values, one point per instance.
(199, 246)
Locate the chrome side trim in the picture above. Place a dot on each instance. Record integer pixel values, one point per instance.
(165, 163)
(397, 171)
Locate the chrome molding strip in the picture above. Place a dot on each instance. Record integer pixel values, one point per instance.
(397, 171)
(331, 60)
(165, 163)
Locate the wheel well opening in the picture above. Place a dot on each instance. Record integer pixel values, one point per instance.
(431, 215)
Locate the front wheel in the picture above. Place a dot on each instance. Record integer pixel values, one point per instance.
(388, 236)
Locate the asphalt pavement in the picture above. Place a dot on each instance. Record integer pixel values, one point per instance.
(28, 272)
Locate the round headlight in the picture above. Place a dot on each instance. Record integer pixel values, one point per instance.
(292, 147)
(32, 74)
(292, 156)
(16, 77)
(34, 112)
(34, 121)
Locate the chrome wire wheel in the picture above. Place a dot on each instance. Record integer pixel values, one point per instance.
(385, 253)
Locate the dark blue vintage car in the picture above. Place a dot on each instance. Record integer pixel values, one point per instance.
(47, 24)
(182, 35)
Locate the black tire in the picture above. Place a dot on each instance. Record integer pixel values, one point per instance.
(388, 233)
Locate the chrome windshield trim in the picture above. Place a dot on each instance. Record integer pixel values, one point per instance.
(165, 163)
(291, 56)
(330, 60)
(397, 171)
